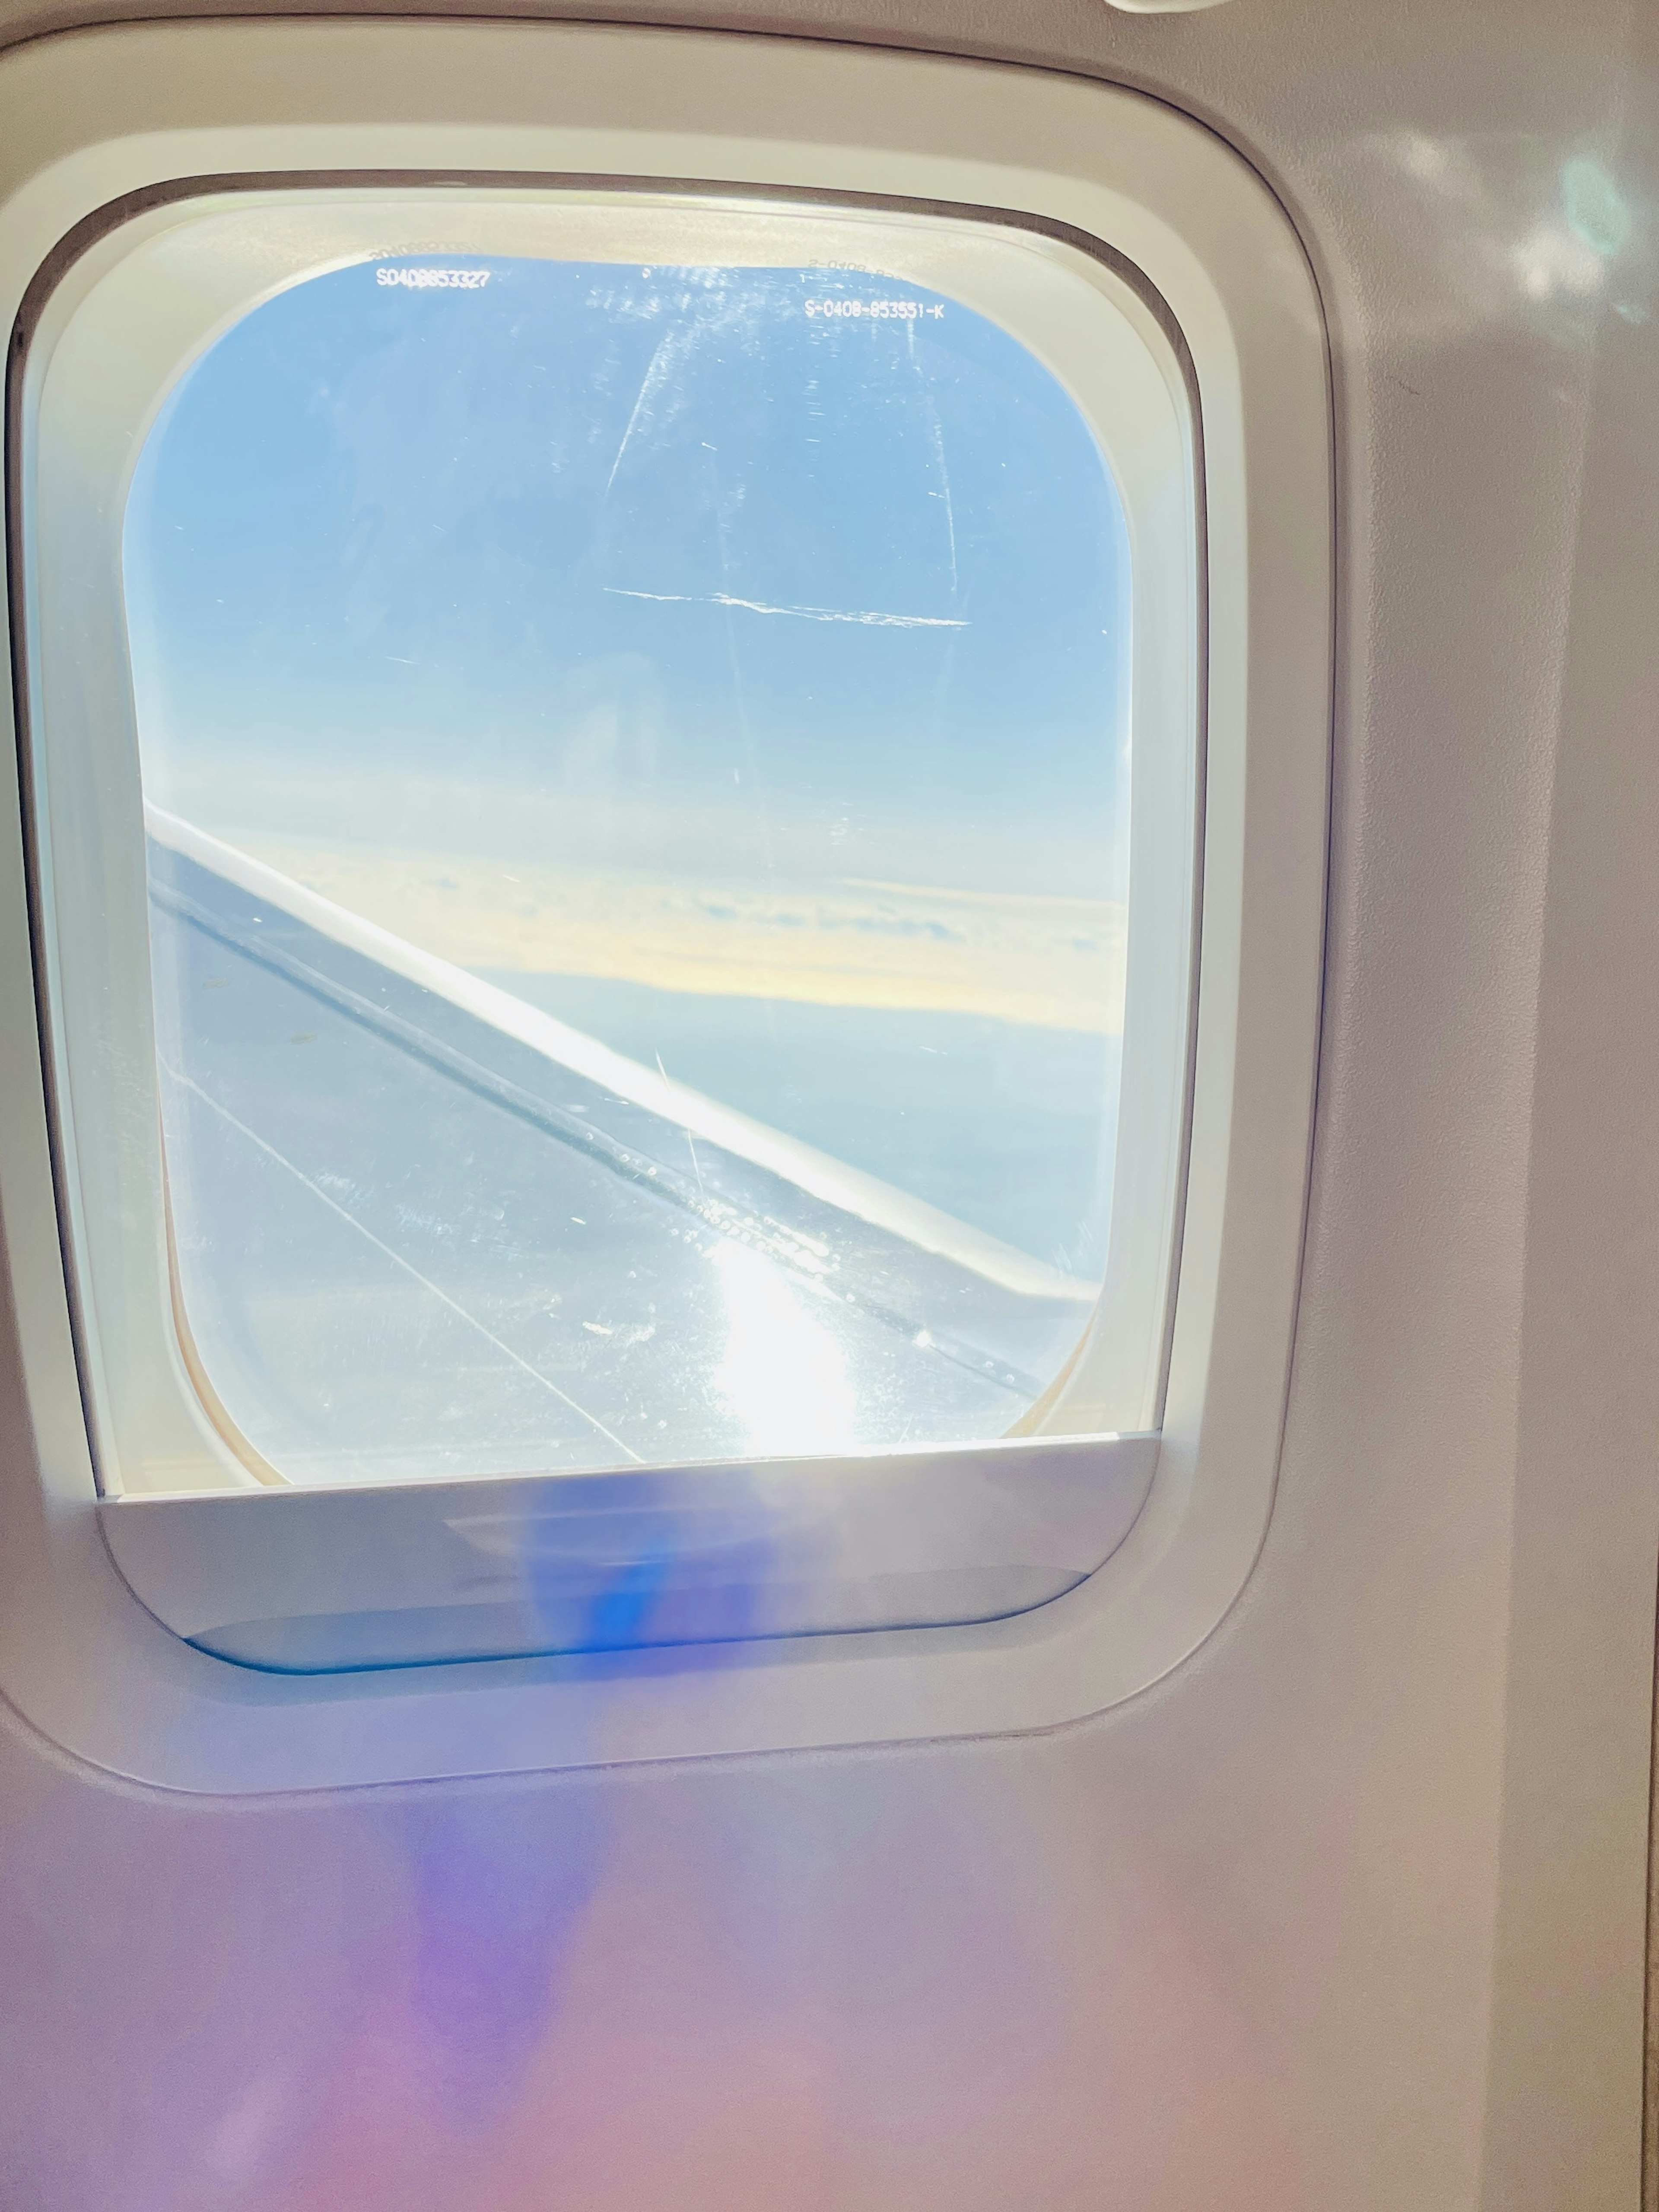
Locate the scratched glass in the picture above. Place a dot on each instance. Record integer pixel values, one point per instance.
(636, 767)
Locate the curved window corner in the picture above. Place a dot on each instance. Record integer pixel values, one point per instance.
(663, 1036)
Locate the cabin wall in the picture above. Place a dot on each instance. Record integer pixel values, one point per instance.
(1347, 1912)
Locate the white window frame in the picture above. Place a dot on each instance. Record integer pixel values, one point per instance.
(87, 122)
(110, 341)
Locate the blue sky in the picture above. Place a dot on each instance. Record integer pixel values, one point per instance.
(658, 535)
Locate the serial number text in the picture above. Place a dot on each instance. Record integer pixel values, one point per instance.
(878, 311)
(435, 280)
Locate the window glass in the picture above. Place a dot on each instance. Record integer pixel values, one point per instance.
(636, 765)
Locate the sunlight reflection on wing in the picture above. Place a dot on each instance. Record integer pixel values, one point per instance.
(783, 1376)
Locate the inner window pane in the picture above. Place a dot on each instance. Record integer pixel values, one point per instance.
(636, 772)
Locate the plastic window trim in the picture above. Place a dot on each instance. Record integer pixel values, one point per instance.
(107, 113)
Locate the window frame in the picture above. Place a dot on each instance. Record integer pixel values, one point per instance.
(211, 250)
(115, 114)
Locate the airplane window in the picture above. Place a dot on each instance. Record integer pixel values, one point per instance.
(662, 1019)
(636, 774)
